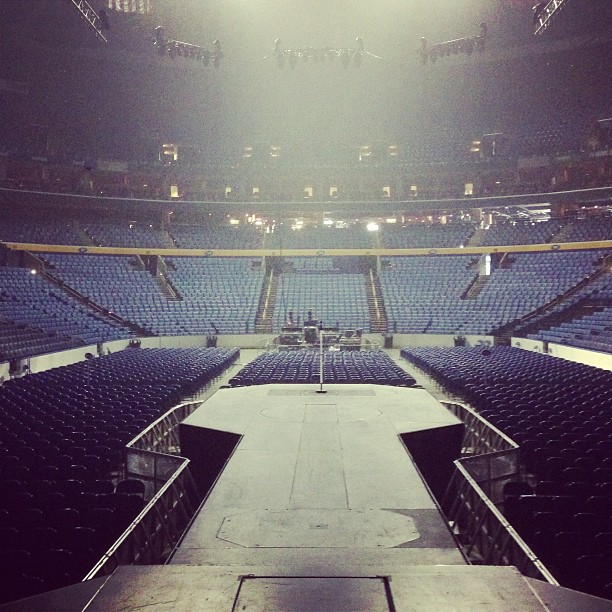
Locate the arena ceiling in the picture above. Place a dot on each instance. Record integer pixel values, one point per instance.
(120, 98)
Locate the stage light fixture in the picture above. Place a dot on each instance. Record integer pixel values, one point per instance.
(459, 45)
(188, 50)
(318, 54)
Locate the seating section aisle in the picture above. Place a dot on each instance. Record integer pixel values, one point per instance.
(452, 235)
(348, 367)
(216, 237)
(62, 433)
(334, 298)
(29, 301)
(521, 233)
(426, 294)
(559, 413)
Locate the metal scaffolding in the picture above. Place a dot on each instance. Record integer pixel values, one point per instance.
(544, 14)
(90, 16)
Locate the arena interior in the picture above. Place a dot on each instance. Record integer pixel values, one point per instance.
(306, 305)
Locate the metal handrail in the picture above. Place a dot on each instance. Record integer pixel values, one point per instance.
(492, 535)
(151, 536)
(481, 436)
(173, 499)
(481, 527)
(161, 435)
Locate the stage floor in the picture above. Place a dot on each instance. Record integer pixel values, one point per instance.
(320, 507)
(416, 588)
(319, 480)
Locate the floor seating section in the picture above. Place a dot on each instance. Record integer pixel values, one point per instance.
(62, 434)
(559, 413)
(348, 367)
(427, 294)
(215, 295)
(50, 318)
(333, 297)
(416, 236)
(216, 237)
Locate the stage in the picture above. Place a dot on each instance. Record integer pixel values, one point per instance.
(324, 472)
(318, 503)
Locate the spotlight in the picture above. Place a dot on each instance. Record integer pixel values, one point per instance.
(423, 51)
(218, 53)
(184, 49)
(160, 39)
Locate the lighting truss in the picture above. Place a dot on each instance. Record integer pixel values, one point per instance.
(544, 14)
(319, 54)
(458, 45)
(90, 16)
(174, 48)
